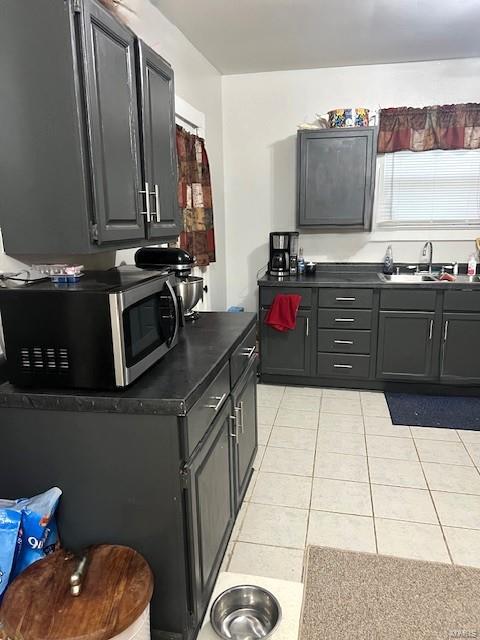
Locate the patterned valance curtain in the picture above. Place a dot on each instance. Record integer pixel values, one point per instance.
(195, 197)
(448, 126)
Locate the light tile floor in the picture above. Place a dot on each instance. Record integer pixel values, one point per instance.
(332, 470)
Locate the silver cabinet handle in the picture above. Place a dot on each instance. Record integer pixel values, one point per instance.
(248, 352)
(431, 330)
(345, 299)
(343, 342)
(343, 366)
(216, 407)
(157, 202)
(239, 416)
(307, 327)
(344, 319)
(445, 332)
(148, 211)
(233, 433)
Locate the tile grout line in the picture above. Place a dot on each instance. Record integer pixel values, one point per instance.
(434, 505)
(311, 489)
(369, 479)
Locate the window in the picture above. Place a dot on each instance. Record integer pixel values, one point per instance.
(429, 188)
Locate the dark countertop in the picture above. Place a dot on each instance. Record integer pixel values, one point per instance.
(171, 387)
(362, 275)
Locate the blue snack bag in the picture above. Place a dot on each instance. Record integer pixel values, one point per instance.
(38, 528)
(10, 541)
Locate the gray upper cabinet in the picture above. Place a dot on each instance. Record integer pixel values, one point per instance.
(111, 95)
(73, 157)
(336, 178)
(157, 112)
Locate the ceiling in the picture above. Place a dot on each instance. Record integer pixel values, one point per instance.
(244, 36)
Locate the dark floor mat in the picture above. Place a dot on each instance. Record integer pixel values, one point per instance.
(449, 412)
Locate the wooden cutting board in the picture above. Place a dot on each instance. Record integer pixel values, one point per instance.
(117, 586)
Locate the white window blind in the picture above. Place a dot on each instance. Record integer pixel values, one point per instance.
(439, 188)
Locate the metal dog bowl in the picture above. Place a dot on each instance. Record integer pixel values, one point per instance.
(245, 612)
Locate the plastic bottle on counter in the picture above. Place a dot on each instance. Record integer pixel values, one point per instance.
(388, 261)
(301, 262)
(472, 265)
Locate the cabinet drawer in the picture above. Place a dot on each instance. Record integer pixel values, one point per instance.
(343, 365)
(408, 300)
(344, 298)
(461, 301)
(242, 356)
(205, 410)
(338, 341)
(344, 318)
(267, 294)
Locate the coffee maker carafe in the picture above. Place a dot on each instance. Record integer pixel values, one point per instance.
(283, 253)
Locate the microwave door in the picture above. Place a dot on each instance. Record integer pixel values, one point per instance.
(147, 327)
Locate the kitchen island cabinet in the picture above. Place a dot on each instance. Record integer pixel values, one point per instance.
(161, 466)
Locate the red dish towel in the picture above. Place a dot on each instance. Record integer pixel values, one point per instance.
(282, 315)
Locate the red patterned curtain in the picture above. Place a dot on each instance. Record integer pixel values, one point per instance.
(448, 126)
(195, 197)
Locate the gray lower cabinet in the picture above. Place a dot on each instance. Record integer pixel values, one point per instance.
(405, 345)
(245, 413)
(460, 349)
(336, 177)
(87, 120)
(210, 506)
(288, 352)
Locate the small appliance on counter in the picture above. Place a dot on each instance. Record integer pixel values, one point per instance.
(189, 288)
(283, 257)
(102, 332)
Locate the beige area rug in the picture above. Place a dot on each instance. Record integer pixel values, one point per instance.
(363, 596)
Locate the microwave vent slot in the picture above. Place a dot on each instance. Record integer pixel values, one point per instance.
(53, 359)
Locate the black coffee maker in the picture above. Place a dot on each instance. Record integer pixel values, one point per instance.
(283, 253)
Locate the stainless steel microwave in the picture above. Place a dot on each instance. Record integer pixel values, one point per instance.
(100, 333)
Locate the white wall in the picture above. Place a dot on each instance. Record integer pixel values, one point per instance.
(260, 116)
(199, 83)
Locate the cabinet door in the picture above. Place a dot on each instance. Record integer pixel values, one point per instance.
(288, 352)
(157, 111)
(112, 115)
(336, 174)
(405, 345)
(210, 507)
(460, 361)
(245, 408)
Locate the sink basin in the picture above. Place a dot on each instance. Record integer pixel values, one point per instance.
(408, 278)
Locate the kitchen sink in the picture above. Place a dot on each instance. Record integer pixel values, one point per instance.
(408, 278)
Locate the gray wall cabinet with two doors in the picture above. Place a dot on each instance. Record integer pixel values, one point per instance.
(88, 150)
(374, 338)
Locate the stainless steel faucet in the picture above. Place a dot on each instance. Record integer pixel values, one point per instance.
(426, 246)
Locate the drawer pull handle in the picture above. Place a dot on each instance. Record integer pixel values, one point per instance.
(343, 366)
(345, 299)
(343, 342)
(247, 352)
(217, 406)
(344, 319)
